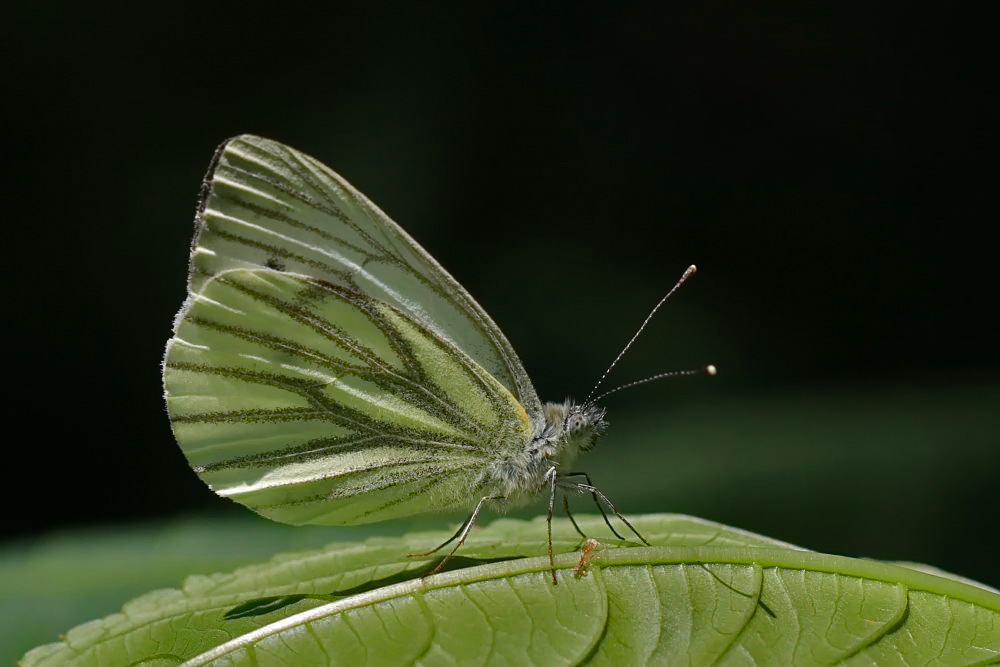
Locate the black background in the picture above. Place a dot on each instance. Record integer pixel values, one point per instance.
(825, 166)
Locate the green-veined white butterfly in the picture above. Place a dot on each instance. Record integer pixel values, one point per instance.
(325, 369)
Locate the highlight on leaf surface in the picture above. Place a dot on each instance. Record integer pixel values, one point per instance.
(704, 593)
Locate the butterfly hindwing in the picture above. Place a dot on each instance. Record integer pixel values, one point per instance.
(311, 402)
(267, 205)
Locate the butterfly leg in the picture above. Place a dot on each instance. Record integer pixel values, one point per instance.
(552, 475)
(592, 489)
(460, 535)
(570, 516)
(446, 542)
(600, 509)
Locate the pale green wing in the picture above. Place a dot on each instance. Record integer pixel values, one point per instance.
(267, 205)
(313, 403)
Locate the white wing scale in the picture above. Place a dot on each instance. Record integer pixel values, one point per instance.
(324, 368)
(265, 204)
(312, 403)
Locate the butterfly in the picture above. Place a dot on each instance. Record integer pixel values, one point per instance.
(325, 369)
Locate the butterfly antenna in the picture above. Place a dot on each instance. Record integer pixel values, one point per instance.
(687, 274)
(707, 370)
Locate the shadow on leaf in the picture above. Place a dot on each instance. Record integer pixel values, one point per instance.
(267, 605)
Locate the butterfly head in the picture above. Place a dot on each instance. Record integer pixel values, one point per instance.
(584, 425)
(571, 428)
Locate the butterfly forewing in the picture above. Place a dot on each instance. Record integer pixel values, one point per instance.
(267, 205)
(312, 402)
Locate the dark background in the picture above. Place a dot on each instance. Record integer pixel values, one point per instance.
(825, 166)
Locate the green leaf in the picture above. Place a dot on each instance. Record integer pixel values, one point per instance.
(703, 593)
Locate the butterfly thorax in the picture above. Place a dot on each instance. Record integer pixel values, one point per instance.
(561, 432)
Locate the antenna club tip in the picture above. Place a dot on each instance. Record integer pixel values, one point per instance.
(711, 369)
(690, 270)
